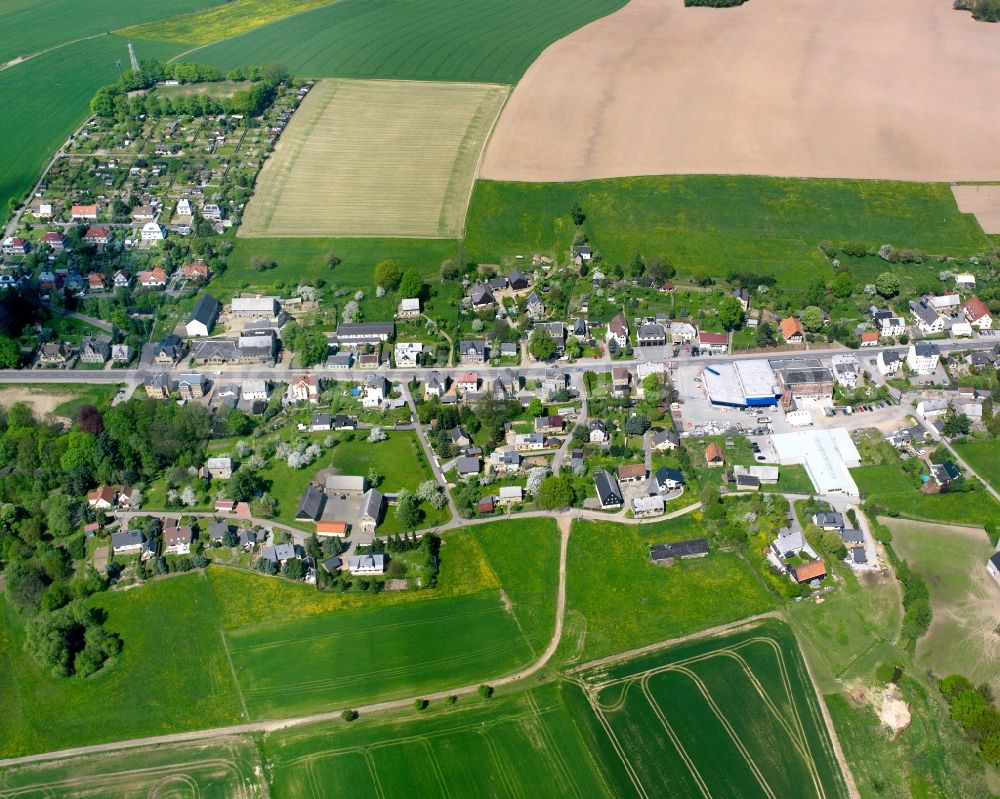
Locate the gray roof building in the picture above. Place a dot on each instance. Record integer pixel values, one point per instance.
(311, 505)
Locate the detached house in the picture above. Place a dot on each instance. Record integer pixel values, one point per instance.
(618, 331)
(304, 388)
(609, 493)
(651, 334)
(376, 389)
(888, 362)
(153, 279)
(481, 297)
(472, 351)
(978, 314)
(598, 431)
(928, 322)
(202, 320)
(791, 330)
(97, 235)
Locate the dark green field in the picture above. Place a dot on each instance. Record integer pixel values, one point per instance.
(711, 225)
(730, 716)
(465, 40)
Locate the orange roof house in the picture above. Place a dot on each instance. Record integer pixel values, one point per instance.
(713, 455)
(338, 529)
(813, 570)
(791, 329)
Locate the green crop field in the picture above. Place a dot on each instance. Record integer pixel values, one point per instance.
(965, 599)
(890, 486)
(714, 224)
(172, 674)
(219, 769)
(524, 744)
(31, 26)
(35, 124)
(376, 158)
(214, 24)
(464, 40)
(732, 715)
(617, 599)
(363, 656)
(983, 456)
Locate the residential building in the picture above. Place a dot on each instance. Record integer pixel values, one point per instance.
(632, 473)
(888, 362)
(96, 350)
(191, 386)
(481, 297)
(220, 468)
(598, 431)
(713, 455)
(472, 351)
(202, 320)
(869, 338)
(153, 232)
(744, 297)
(157, 386)
(791, 330)
(102, 497)
(529, 442)
(828, 520)
(944, 302)
(807, 572)
(682, 333)
(436, 385)
(651, 334)
(928, 322)
(846, 370)
(83, 213)
(154, 278)
(177, 540)
(195, 271)
(651, 505)
(304, 388)
(467, 382)
(14, 245)
(517, 280)
(371, 510)
(408, 353)
(254, 307)
(373, 563)
(668, 479)
(279, 553)
(505, 461)
(53, 353)
(664, 440)
(376, 391)
(122, 279)
(550, 424)
(127, 542)
(121, 353)
(713, 343)
(96, 235)
(609, 493)
(534, 306)
(621, 381)
(891, 327)
(510, 495)
(978, 314)
(466, 466)
(922, 358)
(618, 331)
(254, 390)
(320, 423)
(409, 308)
(55, 240)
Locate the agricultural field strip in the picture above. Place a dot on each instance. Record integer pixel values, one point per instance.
(797, 736)
(168, 770)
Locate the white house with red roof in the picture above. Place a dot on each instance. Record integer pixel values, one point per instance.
(304, 388)
(978, 314)
(713, 342)
(57, 241)
(467, 382)
(153, 279)
(97, 234)
(83, 212)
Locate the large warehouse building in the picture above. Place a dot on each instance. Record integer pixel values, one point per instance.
(743, 384)
(828, 456)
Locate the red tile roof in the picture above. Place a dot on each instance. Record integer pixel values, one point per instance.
(791, 327)
(713, 453)
(809, 571)
(869, 335)
(975, 308)
(713, 338)
(332, 528)
(631, 471)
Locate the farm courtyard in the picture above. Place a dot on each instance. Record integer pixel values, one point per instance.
(376, 158)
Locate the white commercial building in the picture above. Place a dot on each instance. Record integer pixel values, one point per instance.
(828, 455)
(743, 384)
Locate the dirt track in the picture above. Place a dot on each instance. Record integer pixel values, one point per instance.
(898, 89)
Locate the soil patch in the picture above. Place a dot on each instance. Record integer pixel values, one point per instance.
(981, 201)
(791, 88)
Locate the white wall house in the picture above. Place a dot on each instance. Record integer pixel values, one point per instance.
(923, 358)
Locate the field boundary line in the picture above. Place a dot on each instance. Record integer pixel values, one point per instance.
(482, 154)
(232, 673)
(619, 749)
(552, 749)
(370, 762)
(436, 767)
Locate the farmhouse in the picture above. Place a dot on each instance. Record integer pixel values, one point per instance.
(254, 307)
(713, 455)
(311, 505)
(409, 308)
(367, 564)
(609, 494)
(813, 570)
(371, 510)
(791, 330)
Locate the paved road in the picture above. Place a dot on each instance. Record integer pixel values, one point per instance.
(428, 452)
(100, 324)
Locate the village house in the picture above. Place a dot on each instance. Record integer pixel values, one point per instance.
(153, 232)
(195, 271)
(102, 497)
(618, 331)
(682, 333)
(550, 424)
(361, 565)
(978, 314)
(713, 343)
(96, 350)
(191, 386)
(869, 338)
(668, 479)
(376, 391)
(891, 327)
(928, 322)
(54, 353)
(664, 440)
(436, 385)
(534, 306)
(408, 353)
(621, 381)
(254, 307)
(529, 442)
(157, 386)
(83, 213)
(846, 369)
(505, 461)
(598, 431)
(713, 455)
(371, 510)
(177, 540)
(304, 388)
(96, 282)
(888, 362)
(96, 235)
(791, 330)
(254, 390)
(55, 240)
(220, 468)
(121, 353)
(14, 245)
(645, 506)
(922, 358)
(153, 279)
(127, 542)
(467, 382)
(481, 297)
(472, 351)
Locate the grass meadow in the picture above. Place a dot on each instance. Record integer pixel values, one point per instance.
(172, 674)
(965, 599)
(31, 26)
(330, 661)
(618, 600)
(35, 124)
(461, 40)
(983, 456)
(744, 699)
(376, 158)
(222, 21)
(890, 486)
(525, 743)
(710, 225)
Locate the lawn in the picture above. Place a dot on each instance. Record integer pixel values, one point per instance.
(305, 260)
(517, 744)
(376, 158)
(712, 225)
(461, 40)
(215, 770)
(364, 656)
(35, 124)
(743, 699)
(32, 26)
(889, 485)
(618, 600)
(965, 599)
(983, 456)
(223, 22)
(172, 674)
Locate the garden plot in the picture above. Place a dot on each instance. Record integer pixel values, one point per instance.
(376, 158)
